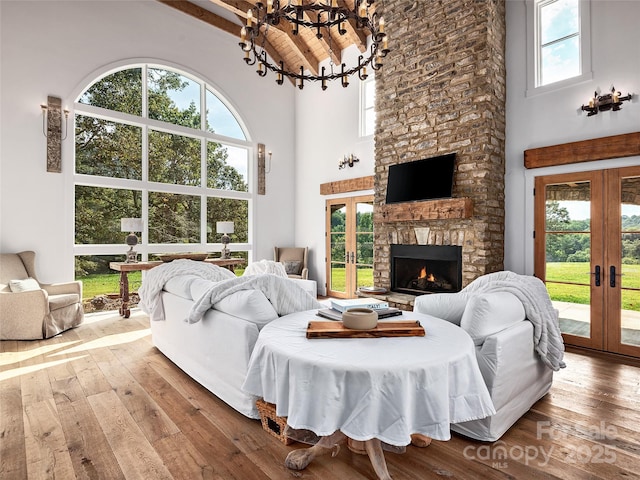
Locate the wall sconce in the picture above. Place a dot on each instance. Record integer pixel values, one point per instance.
(52, 131)
(262, 171)
(347, 160)
(602, 103)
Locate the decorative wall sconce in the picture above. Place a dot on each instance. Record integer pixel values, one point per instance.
(52, 130)
(347, 160)
(262, 171)
(602, 103)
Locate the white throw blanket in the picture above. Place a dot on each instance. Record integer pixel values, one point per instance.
(284, 294)
(533, 294)
(155, 279)
(265, 266)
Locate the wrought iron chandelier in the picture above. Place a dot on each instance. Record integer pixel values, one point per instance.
(317, 15)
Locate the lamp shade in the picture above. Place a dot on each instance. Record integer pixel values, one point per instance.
(224, 227)
(131, 225)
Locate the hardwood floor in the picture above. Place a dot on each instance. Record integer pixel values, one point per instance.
(100, 402)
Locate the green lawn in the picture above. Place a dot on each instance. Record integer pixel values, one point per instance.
(338, 278)
(578, 272)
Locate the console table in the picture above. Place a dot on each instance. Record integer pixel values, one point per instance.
(124, 269)
(371, 390)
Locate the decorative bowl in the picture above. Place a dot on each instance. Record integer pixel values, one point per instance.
(169, 257)
(360, 318)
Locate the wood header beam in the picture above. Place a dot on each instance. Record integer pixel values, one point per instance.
(450, 208)
(349, 185)
(616, 146)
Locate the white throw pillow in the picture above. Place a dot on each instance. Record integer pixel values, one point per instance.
(489, 313)
(249, 305)
(26, 285)
(181, 285)
(447, 306)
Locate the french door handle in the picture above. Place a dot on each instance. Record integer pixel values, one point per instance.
(597, 274)
(346, 257)
(612, 275)
(353, 257)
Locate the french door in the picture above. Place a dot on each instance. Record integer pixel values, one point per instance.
(349, 245)
(587, 251)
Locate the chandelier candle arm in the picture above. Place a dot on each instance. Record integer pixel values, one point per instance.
(328, 14)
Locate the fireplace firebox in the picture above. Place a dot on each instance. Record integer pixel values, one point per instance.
(419, 269)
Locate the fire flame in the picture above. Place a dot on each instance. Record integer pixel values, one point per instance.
(429, 277)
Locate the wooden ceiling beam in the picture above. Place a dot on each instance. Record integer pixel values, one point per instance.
(215, 20)
(302, 50)
(204, 15)
(356, 35)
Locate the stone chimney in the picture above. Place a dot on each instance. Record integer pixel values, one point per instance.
(442, 90)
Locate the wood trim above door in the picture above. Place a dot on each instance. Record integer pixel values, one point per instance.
(349, 185)
(615, 146)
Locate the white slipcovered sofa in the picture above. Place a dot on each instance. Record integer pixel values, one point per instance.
(215, 350)
(515, 375)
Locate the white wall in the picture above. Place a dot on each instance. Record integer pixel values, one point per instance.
(51, 48)
(327, 129)
(554, 118)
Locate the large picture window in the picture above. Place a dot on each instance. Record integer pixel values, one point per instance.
(156, 143)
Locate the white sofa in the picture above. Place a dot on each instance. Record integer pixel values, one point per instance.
(215, 351)
(514, 373)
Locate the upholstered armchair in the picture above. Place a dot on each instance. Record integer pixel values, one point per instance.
(294, 260)
(30, 310)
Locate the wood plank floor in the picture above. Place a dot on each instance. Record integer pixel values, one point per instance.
(100, 402)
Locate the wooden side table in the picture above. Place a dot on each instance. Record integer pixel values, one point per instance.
(124, 269)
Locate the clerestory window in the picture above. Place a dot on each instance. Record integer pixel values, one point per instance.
(559, 43)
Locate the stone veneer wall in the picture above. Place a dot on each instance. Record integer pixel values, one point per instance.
(442, 90)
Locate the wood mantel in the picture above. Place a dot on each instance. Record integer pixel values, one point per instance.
(450, 208)
(616, 146)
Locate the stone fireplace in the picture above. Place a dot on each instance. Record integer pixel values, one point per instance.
(442, 90)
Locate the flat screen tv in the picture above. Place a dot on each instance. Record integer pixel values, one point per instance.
(426, 179)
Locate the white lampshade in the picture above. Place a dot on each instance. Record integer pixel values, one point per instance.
(224, 227)
(131, 225)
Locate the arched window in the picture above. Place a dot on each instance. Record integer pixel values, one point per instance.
(156, 143)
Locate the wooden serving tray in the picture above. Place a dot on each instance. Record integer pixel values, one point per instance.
(332, 329)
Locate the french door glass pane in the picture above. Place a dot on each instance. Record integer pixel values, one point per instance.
(338, 265)
(630, 268)
(568, 254)
(364, 244)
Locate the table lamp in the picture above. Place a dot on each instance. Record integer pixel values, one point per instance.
(225, 228)
(131, 225)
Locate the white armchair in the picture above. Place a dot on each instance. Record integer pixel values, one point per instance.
(30, 310)
(514, 374)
